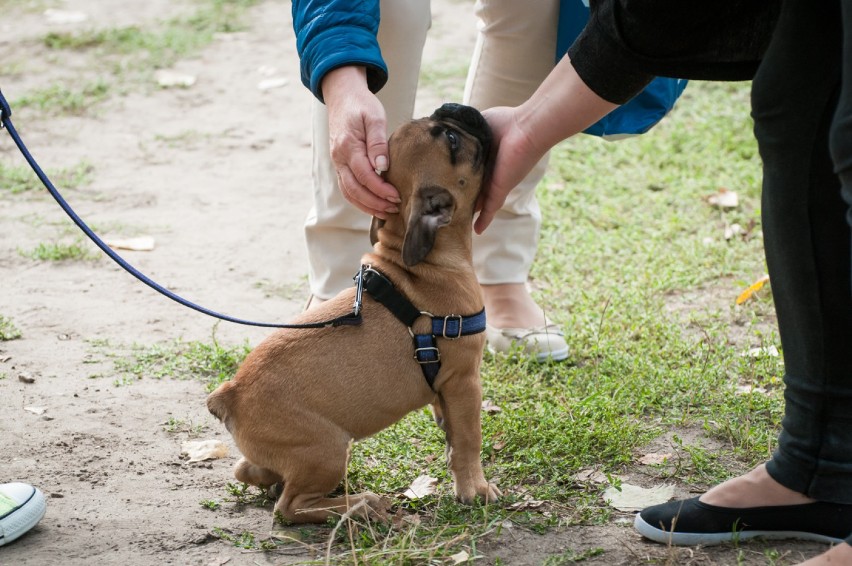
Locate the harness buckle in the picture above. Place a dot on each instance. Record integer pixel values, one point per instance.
(421, 362)
(458, 334)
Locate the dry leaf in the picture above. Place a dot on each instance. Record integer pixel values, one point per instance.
(590, 475)
(526, 505)
(36, 410)
(635, 498)
(199, 450)
(724, 199)
(752, 289)
(748, 388)
(421, 487)
(269, 84)
(655, 458)
(769, 351)
(460, 557)
(140, 244)
(166, 78)
(61, 17)
(733, 230)
(286, 535)
(489, 407)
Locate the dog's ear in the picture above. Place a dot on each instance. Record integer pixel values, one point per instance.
(432, 207)
(375, 226)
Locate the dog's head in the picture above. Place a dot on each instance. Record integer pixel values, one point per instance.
(438, 165)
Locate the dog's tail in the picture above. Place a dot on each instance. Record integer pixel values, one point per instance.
(219, 403)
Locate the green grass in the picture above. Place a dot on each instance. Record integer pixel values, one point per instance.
(634, 264)
(8, 330)
(158, 46)
(63, 99)
(79, 250)
(211, 363)
(22, 179)
(122, 55)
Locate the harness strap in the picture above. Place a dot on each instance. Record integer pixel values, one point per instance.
(426, 351)
(383, 291)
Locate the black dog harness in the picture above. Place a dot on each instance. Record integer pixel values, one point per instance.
(426, 351)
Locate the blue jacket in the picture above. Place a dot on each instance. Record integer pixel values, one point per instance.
(334, 33)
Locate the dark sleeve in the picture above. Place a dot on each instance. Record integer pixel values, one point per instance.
(628, 42)
(334, 33)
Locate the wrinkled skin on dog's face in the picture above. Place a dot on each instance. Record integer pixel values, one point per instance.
(445, 157)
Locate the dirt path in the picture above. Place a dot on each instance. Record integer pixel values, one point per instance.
(218, 175)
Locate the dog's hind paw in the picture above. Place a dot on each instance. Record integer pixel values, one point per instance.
(369, 505)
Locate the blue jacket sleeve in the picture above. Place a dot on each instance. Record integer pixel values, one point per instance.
(334, 33)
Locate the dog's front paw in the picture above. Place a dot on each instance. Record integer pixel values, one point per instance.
(485, 491)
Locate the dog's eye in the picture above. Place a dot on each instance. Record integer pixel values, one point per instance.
(453, 138)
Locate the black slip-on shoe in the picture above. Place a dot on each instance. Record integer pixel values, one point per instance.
(691, 522)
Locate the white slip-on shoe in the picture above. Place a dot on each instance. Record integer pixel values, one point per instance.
(21, 507)
(540, 342)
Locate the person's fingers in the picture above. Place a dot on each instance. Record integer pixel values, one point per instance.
(489, 208)
(377, 145)
(362, 197)
(366, 175)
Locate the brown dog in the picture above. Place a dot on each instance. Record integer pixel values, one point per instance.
(302, 395)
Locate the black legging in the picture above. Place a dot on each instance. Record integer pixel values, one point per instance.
(801, 99)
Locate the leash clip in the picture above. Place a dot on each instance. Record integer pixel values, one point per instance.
(5, 110)
(359, 289)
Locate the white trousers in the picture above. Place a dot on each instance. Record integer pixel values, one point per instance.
(515, 49)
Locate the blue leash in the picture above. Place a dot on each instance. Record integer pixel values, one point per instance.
(5, 122)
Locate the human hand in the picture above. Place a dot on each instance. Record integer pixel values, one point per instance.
(562, 106)
(357, 128)
(513, 156)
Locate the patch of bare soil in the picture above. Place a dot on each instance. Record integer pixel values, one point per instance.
(218, 174)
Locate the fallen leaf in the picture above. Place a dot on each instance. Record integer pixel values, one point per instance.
(140, 244)
(60, 17)
(769, 351)
(460, 557)
(166, 79)
(36, 410)
(590, 475)
(752, 289)
(490, 407)
(724, 198)
(733, 230)
(526, 505)
(199, 450)
(655, 458)
(421, 487)
(269, 84)
(635, 498)
(749, 388)
(284, 534)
